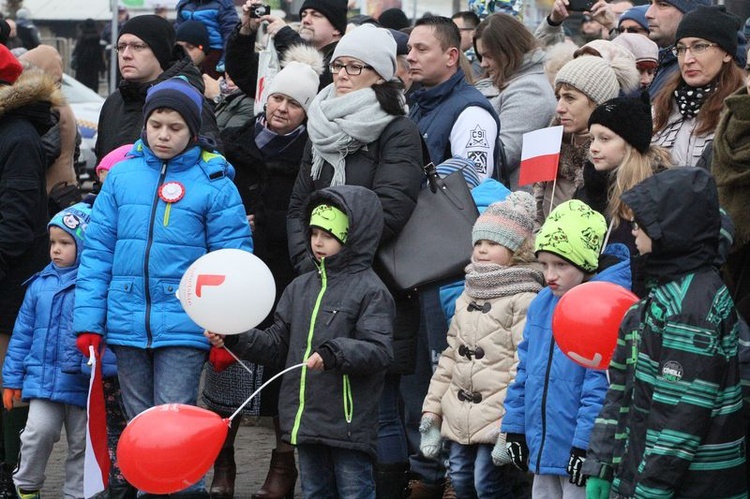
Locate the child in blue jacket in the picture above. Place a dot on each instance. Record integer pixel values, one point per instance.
(161, 209)
(43, 366)
(553, 402)
(220, 18)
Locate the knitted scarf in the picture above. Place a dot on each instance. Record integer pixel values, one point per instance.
(490, 280)
(731, 162)
(341, 125)
(690, 99)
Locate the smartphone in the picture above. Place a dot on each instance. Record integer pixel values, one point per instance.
(580, 5)
(260, 10)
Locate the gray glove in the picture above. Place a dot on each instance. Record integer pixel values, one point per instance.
(431, 442)
(500, 456)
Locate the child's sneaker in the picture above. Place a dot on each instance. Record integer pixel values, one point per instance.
(28, 494)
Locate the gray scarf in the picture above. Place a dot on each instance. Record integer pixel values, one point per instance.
(490, 280)
(341, 125)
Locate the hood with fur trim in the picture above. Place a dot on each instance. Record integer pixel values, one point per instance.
(32, 95)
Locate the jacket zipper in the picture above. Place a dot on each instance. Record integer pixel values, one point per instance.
(149, 241)
(544, 404)
(308, 349)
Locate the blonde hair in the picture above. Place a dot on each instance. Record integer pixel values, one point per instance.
(524, 255)
(634, 169)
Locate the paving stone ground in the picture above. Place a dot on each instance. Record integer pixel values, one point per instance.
(255, 440)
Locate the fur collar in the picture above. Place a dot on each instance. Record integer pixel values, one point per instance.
(32, 86)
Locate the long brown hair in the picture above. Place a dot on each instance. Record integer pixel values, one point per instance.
(507, 41)
(729, 79)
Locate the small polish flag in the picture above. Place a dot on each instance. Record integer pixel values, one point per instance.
(96, 461)
(540, 155)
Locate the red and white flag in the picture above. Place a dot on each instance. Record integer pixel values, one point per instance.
(540, 155)
(96, 463)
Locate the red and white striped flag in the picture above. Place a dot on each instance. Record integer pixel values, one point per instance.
(96, 463)
(540, 155)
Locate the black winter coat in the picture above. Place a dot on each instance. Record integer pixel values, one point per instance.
(24, 118)
(344, 312)
(121, 118)
(265, 185)
(392, 167)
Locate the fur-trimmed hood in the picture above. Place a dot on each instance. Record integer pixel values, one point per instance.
(32, 87)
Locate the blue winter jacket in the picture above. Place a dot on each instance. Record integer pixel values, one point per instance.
(218, 16)
(42, 359)
(553, 400)
(138, 247)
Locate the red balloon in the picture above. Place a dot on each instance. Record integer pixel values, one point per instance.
(586, 321)
(169, 447)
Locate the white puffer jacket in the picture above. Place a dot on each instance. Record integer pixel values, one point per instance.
(496, 327)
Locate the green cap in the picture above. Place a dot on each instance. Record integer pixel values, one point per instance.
(332, 220)
(575, 232)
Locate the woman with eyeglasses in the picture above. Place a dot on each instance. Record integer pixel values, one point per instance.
(687, 109)
(514, 82)
(359, 135)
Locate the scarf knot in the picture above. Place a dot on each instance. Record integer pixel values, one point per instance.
(341, 125)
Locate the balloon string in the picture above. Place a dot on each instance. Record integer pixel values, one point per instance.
(256, 392)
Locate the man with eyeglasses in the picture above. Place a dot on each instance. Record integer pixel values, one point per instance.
(147, 54)
(663, 18)
(323, 23)
(467, 22)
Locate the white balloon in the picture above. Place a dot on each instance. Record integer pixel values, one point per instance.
(227, 291)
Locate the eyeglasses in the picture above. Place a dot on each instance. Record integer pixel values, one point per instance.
(695, 49)
(631, 29)
(135, 47)
(351, 69)
(634, 225)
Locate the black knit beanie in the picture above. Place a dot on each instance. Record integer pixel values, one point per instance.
(714, 24)
(627, 117)
(333, 10)
(194, 33)
(178, 94)
(157, 32)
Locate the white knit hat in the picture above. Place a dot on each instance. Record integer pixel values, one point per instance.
(600, 80)
(374, 46)
(300, 76)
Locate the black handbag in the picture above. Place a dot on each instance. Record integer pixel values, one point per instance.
(435, 244)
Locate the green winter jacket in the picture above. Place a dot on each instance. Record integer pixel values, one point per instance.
(672, 422)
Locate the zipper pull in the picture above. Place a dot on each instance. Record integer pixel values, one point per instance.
(163, 168)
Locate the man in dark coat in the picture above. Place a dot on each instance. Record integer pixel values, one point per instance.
(24, 117)
(147, 54)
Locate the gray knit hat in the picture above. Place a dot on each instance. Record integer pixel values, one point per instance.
(508, 222)
(591, 75)
(371, 45)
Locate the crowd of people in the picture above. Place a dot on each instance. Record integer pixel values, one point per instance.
(451, 389)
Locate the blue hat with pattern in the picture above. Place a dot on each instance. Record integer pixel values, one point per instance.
(74, 220)
(484, 8)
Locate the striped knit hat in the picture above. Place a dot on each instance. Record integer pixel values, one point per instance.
(508, 222)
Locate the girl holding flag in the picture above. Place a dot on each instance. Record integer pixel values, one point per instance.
(580, 86)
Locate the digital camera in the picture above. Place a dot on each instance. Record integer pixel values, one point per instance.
(260, 11)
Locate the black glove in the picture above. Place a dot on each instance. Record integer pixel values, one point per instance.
(575, 465)
(518, 450)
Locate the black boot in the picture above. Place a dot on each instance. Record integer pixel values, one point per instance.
(391, 480)
(122, 491)
(7, 488)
